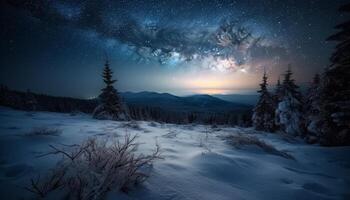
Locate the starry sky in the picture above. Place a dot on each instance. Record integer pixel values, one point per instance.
(59, 47)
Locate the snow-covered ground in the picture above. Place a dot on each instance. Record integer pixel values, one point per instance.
(198, 163)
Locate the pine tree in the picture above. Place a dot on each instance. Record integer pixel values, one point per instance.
(30, 103)
(263, 113)
(278, 91)
(110, 105)
(289, 108)
(277, 97)
(191, 117)
(312, 110)
(336, 90)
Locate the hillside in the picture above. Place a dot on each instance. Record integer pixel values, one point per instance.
(247, 99)
(193, 103)
(198, 162)
(161, 107)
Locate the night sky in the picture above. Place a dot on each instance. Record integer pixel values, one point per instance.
(181, 47)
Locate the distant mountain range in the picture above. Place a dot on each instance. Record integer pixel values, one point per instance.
(162, 107)
(248, 99)
(193, 103)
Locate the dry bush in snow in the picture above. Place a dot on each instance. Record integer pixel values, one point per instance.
(203, 139)
(44, 131)
(132, 125)
(240, 140)
(171, 134)
(153, 124)
(96, 167)
(52, 181)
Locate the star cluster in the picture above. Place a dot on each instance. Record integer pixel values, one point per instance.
(223, 36)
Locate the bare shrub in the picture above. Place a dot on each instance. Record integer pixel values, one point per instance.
(153, 124)
(133, 125)
(96, 167)
(203, 141)
(287, 137)
(242, 140)
(189, 127)
(171, 134)
(52, 181)
(44, 131)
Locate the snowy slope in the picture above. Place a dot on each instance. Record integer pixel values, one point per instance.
(198, 163)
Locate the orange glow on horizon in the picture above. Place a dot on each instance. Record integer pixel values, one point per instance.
(214, 82)
(212, 91)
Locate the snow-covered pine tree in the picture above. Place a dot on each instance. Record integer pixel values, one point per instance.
(277, 97)
(289, 108)
(110, 106)
(263, 113)
(278, 91)
(336, 90)
(312, 110)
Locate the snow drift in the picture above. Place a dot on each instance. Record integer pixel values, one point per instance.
(199, 162)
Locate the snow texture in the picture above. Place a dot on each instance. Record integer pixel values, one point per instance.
(199, 163)
(289, 115)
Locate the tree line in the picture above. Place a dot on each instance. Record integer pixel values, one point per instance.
(110, 106)
(323, 114)
(31, 102)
